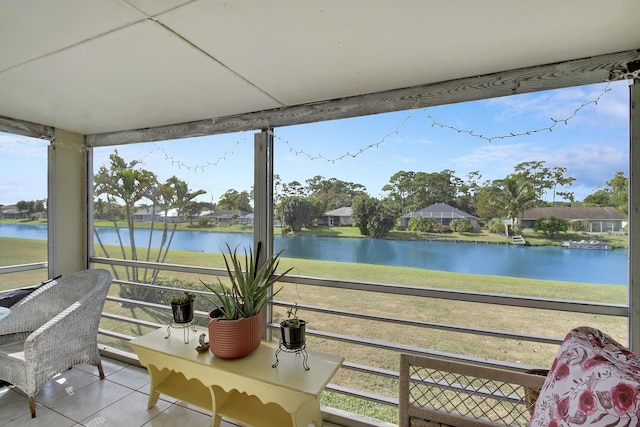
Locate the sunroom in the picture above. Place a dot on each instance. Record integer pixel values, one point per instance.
(89, 78)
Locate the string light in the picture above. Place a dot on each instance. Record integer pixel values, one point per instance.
(555, 122)
(435, 123)
(347, 154)
(197, 167)
(427, 115)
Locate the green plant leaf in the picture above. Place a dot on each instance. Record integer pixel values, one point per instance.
(250, 288)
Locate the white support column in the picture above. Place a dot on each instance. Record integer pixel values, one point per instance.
(67, 204)
(263, 201)
(634, 216)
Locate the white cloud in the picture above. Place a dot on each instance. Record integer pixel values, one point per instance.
(22, 146)
(594, 105)
(498, 158)
(403, 159)
(424, 141)
(592, 164)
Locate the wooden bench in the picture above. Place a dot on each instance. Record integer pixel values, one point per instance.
(437, 392)
(248, 389)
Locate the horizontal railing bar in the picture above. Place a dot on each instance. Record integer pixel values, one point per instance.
(210, 271)
(363, 395)
(23, 267)
(479, 297)
(357, 367)
(429, 325)
(167, 308)
(573, 306)
(138, 303)
(162, 287)
(132, 320)
(417, 350)
(113, 334)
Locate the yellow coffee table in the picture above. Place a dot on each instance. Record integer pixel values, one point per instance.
(248, 390)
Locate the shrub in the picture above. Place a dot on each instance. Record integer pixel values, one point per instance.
(496, 226)
(551, 225)
(461, 225)
(582, 225)
(440, 228)
(423, 225)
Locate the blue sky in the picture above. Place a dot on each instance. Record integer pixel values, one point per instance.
(593, 145)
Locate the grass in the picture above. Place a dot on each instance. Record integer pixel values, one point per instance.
(15, 251)
(472, 315)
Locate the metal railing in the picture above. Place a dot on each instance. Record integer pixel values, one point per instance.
(382, 373)
(23, 267)
(600, 309)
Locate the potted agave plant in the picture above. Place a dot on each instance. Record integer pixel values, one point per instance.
(293, 330)
(236, 323)
(183, 307)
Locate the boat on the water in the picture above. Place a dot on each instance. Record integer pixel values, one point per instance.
(587, 244)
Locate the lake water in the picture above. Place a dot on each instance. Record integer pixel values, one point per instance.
(549, 263)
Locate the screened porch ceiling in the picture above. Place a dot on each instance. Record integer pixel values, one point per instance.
(107, 66)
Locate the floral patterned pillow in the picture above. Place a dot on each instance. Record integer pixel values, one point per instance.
(594, 381)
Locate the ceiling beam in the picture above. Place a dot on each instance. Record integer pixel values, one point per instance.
(24, 128)
(577, 72)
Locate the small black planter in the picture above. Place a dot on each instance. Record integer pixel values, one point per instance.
(293, 337)
(183, 313)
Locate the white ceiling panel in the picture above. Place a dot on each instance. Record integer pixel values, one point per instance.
(112, 65)
(112, 82)
(302, 51)
(155, 7)
(33, 28)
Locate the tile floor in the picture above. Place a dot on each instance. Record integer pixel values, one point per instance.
(78, 398)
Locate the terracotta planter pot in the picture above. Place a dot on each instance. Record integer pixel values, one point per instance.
(232, 339)
(183, 313)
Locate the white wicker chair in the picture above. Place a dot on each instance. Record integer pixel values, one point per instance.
(53, 329)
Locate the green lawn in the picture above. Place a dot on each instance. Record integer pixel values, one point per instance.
(471, 315)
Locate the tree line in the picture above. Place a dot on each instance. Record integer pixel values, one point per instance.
(531, 184)
(124, 187)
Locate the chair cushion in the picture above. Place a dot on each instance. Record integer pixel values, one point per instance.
(593, 381)
(9, 298)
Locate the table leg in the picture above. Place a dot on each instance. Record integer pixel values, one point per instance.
(218, 397)
(309, 412)
(153, 399)
(215, 420)
(156, 377)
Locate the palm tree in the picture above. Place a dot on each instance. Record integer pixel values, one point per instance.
(515, 194)
(129, 184)
(174, 193)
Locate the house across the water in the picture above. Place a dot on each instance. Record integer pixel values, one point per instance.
(600, 219)
(441, 213)
(340, 216)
